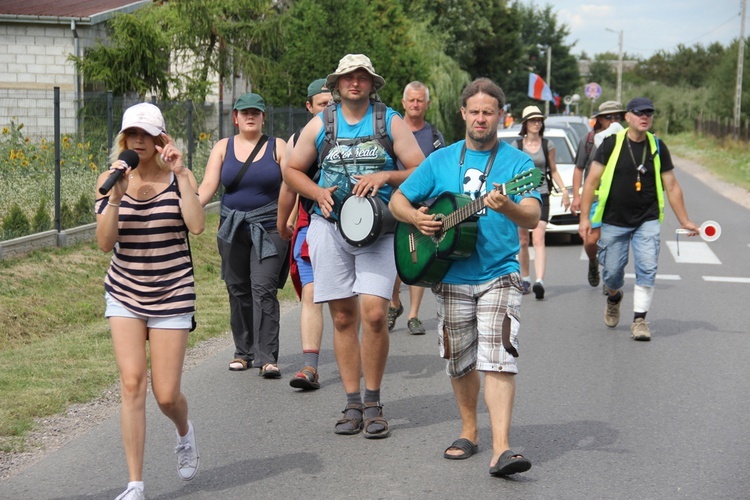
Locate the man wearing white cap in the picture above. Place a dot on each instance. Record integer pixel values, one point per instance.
(355, 281)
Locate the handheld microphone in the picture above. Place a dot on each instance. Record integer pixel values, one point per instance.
(130, 157)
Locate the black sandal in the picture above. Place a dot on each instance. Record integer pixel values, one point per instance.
(376, 420)
(356, 423)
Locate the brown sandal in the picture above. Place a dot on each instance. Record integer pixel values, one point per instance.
(376, 420)
(238, 365)
(356, 423)
(270, 370)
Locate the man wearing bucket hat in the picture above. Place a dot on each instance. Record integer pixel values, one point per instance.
(631, 170)
(356, 282)
(300, 267)
(608, 119)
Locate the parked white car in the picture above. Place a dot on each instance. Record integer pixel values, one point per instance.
(560, 220)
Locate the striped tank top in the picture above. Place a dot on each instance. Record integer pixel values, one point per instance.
(151, 272)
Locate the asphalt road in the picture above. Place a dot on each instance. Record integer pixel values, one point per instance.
(599, 415)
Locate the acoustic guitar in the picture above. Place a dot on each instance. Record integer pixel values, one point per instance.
(424, 260)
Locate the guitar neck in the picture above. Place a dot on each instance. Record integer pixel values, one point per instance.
(463, 213)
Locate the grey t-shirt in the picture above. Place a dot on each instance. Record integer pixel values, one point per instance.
(425, 140)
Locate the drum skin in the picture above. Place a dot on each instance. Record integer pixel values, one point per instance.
(363, 219)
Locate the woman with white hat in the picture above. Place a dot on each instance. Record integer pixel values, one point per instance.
(542, 152)
(150, 292)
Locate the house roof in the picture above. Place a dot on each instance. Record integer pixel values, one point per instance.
(63, 11)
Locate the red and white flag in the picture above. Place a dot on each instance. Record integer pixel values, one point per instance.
(538, 89)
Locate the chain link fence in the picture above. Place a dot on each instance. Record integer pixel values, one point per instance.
(53, 147)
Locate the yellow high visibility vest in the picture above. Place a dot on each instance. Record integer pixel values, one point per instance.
(609, 173)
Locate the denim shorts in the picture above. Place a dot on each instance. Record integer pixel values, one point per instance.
(116, 309)
(614, 249)
(304, 266)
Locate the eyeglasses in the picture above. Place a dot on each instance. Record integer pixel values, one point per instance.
(612, 117)
(649, 113)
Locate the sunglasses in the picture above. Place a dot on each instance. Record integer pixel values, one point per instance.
(612, 117)
(648, 113)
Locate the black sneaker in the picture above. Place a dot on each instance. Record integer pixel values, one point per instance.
(594, 272)
(538, 290)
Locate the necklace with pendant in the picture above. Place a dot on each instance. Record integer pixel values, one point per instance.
(144, 188)
(639, 168)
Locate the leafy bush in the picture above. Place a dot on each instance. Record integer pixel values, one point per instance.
(42, 220)
(16, 224)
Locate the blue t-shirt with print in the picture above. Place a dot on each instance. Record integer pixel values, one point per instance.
(497, 238)
(344, 161)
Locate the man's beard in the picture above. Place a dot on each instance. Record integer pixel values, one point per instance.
(482, 139)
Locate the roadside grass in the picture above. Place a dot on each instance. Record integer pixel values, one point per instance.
(726, 158)
(55, 348)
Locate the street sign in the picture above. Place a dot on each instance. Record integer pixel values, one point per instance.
(593, 90)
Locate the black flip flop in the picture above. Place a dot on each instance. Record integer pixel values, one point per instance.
(464, 445)
(506, 464)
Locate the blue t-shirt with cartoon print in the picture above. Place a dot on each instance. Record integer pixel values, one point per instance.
(344, 161)
(497, 238)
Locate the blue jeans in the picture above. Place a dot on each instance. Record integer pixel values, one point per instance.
(614, 244)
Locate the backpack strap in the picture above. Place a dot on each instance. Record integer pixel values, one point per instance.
(329, 127)
(381, 130)
(547, 173)
(436, 143)
(589, 143)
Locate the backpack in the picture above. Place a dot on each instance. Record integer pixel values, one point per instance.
(547, 174)
(588, 147)
(378, 126)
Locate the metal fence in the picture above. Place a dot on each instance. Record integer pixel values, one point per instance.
(722, 128)
(53, 148)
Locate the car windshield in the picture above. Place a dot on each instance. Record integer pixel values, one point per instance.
(562, 153)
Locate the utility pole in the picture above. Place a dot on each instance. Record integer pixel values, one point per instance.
(619, 67)
(549, 74)
(740, 64)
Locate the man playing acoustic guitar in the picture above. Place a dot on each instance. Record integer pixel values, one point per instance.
(479, 297)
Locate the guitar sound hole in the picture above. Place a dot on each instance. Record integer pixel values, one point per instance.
(439, 235)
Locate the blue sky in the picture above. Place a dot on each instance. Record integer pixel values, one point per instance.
(647, 26)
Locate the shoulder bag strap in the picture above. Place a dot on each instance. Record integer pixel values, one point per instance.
(236, 182)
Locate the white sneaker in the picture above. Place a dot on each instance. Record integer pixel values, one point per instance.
(187, 455)
(131, 494)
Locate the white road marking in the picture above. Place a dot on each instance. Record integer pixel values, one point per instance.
(697, 252)
(726, 279)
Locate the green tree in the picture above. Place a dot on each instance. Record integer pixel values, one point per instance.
(539, 29)
(135, 58)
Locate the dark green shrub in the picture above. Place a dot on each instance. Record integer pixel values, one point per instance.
(16, 224)
(42, 220)
(83, 211)
(67, 217)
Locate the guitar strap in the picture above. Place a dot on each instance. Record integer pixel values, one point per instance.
(487, 168)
